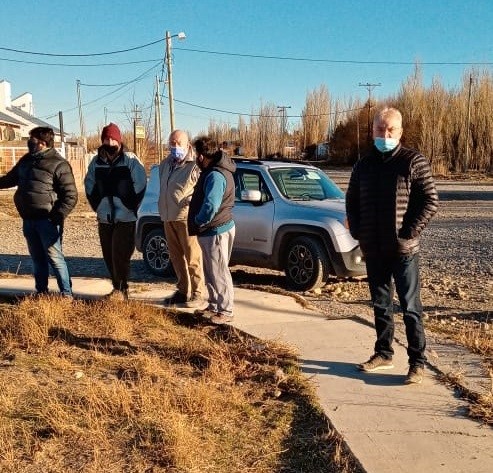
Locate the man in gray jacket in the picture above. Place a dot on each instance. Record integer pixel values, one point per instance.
(390, 199)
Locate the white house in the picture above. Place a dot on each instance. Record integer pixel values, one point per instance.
(17, 115)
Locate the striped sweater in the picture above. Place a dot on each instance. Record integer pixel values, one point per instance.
(390, 199)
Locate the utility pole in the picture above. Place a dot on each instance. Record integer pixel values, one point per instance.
(157, 122)
(369, 87)
(180, 36)
(60, 121)
(284, 122)
(105, 115)
(81, 120)
(468, 126)
(170, 83)
(357, 133)
(136, 119)
(62, 134)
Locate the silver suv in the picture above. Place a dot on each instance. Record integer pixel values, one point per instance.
(288, 216)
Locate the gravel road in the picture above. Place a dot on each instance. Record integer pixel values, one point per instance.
(456, 257)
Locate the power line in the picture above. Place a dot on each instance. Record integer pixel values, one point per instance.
(105, 85)
(337, 61)
(39, 63)
(222, 53)
(230, 112)
(138, 78)
(82, 55)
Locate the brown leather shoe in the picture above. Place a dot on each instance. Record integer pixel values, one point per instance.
(221, 319)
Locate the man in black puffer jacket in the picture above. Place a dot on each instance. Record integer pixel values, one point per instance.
(390, 199)
(45, 195)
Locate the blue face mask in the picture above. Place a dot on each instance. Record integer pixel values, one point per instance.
(178, 153)
(384, 145)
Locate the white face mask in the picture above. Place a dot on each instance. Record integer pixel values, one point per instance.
(384, 145)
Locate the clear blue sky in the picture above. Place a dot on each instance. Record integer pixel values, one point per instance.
(350, 31)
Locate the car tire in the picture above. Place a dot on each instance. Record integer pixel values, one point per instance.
(156, 253)
(306, 264)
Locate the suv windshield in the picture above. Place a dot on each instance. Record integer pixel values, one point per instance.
(305, 184)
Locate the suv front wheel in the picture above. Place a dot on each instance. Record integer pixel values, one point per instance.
(306, 264)
(156, 253)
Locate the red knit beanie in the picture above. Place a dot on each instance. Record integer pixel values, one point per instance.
(111, 131)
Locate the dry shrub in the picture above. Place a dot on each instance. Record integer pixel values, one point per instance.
(478, 337)
(124, 387)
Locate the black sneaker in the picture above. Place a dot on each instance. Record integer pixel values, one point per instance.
(176, 298)
(415, 375)
(376, 363)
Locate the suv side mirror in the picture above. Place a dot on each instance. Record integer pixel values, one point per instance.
(251, 196)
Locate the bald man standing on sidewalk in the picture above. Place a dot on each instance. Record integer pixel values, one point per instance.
(390, 200)
(178, 174)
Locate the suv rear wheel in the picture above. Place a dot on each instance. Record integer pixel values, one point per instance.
(306, 264)
(156, 253)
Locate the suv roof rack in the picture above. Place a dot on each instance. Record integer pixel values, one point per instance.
(242, 159)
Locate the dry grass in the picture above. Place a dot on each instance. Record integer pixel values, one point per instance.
(124, 387)
(478, 337)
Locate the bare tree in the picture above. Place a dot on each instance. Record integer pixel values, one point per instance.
(268, 129)
(442, 124)
(436, 106)
(315, 116)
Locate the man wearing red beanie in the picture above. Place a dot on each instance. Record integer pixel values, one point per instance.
(115, 184)
(111, 132)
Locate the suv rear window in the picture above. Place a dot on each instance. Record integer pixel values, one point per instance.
(305, 184)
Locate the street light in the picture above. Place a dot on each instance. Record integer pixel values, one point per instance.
(180, 36)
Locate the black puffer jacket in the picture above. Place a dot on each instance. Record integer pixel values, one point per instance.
(390, 199)
(45, 186)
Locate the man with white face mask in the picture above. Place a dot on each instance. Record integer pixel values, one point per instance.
(390, 199)
(178, 174)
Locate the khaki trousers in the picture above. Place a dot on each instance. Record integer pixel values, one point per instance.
(186, 256)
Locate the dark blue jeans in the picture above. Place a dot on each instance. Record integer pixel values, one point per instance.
(117, 244)
(44, 241)
(404, 270)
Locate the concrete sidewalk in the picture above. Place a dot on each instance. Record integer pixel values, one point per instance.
(390, 427)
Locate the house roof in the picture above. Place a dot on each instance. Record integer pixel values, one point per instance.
(29, 118)
(4, 118)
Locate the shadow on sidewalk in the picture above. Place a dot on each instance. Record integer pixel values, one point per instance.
(79, 267)
(349, 370)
